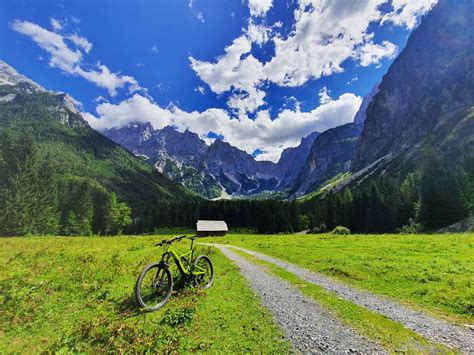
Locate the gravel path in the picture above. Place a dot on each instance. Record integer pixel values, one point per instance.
(308, 326)
(431, 328)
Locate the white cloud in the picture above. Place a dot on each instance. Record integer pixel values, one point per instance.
(200, 89)
(104, 78)
(62, 56)
(81, 42)
(271, 136)
(247, 102)
(371, 53)
(70, 60)
(155, 49)
(197, 14)
(200, 16)
(56, 24)
(354, 79)
(225, 73)
(100, 98)
(324, 97)
(325, 34)
(258, 34)
(259, 7)
(407, 12)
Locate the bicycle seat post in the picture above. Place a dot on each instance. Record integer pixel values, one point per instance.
(192, 244)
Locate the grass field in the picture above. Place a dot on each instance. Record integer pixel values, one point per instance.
(431, 272)
(76, 294)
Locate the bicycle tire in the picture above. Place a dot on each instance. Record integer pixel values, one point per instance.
(160, 271)
(206, 259)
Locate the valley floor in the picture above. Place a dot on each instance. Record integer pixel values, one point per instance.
(432, 273)
(76, 294)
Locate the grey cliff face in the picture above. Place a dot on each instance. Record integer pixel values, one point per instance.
(330, 155)
(432, 78)
(292, 161)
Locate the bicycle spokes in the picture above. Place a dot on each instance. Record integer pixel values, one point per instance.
(154, 286)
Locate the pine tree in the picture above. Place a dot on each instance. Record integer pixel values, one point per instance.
(330, 222)
(118, 216)
(376, 212)
(441, 199)
(27, 190)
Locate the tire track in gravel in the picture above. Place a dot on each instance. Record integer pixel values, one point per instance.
(431, 328)
(309, 327)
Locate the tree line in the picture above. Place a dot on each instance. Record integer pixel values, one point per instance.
(435, 195)
(34, 200)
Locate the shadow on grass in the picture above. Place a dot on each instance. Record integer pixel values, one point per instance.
(129, 308)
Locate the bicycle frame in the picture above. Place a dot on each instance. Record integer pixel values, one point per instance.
(181, 259)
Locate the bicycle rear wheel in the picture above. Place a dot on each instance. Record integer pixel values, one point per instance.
(154, 286)
(203, 272)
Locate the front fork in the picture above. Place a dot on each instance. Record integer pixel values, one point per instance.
(164, 264)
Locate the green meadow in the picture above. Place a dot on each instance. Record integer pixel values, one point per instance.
(75, 294)
(434, 273)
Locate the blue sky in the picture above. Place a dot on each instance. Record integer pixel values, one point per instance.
(261, 74)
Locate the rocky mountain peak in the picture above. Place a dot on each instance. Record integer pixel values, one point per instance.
(361, 114)
(68, 102)
(431, 78)
(9, 76)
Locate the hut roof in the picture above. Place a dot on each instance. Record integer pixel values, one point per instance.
(211, 226)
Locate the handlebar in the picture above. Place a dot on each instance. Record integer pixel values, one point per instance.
(172, 240)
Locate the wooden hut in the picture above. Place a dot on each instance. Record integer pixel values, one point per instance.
(211, 228)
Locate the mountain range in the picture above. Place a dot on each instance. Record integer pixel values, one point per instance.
(425, 100)
(213, 171)
(221, 170)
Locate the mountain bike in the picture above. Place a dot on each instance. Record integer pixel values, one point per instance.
(155, 284)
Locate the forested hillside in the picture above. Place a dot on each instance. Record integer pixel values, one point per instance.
(61, 176)
(414, 163)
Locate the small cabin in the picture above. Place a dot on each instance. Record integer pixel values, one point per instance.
(211, 228)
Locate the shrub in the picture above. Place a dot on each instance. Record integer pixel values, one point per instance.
(411, 228)
(341, 230)
(176, 316)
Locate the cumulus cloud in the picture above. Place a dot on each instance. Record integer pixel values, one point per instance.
(259, 7)
(70, 60)
(246, 102)
(407, 12)
(270, 136)
(324, 97)
(258, 34)
(225, 73)
(325, 34)
(372, 53)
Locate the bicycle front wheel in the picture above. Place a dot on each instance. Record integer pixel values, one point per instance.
(203, 272)
(154, 286)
